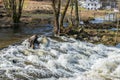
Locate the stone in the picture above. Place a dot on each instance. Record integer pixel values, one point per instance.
(1, 16)
(14, 61)
(26, 43)
(39, 39)
(96, 38)
(26, 52)
(105, 38)
(45, 41)
(75, 35)
(33, 42)
(36, 42)
(93, 39)
(31, 51)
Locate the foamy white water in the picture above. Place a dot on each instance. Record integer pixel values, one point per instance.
(69, 60)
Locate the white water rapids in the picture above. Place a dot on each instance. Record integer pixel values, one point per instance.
(70, 60)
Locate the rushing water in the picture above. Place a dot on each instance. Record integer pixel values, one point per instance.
(66, 60)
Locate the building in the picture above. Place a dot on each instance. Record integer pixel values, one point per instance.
(98, 4)
(90, 4)
(108, 4)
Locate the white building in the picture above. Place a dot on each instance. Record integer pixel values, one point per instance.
(90, 4)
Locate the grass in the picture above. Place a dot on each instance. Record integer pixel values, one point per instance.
(38, 15)
(107, 37)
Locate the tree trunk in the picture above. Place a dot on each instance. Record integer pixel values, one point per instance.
(117, 18)
(117, 26)
(64, 13)
(72, 12)
(14, 9)
(56, 11)
(77, 13)
(56, 5)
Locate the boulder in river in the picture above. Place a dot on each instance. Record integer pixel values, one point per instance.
(36, 42)
(44, 41)
(33, 41)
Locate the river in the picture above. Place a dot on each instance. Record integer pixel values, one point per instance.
(10, 36)
(67, 60)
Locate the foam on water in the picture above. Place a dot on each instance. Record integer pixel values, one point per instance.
(67, 60)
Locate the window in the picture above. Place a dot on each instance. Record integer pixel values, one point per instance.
(95, 4)
(88, 4)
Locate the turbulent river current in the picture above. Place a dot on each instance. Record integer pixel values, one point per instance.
(67, 60)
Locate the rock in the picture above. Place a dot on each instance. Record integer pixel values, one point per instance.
(26, 52)
(33, 42)
(26, 43)
(93, 39)
(36, 42)
(118, 45)
(85, 39)
(75, 36)
(45, 41)
(31, 51)
(1, 16)
(80, 30)
(105, 38)
(96, 38)
(14, 61)
(32, 38)
(39, 39)
(38, 52)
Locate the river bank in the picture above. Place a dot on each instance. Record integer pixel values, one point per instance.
(35, 17)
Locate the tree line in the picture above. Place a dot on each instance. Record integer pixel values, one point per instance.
(14, 9)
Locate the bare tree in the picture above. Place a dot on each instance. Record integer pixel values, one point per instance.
(64, 13)
(77, 13)
(71, 12)
(117, 25)
(59, 16)
(14, 9)
(56, 10)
